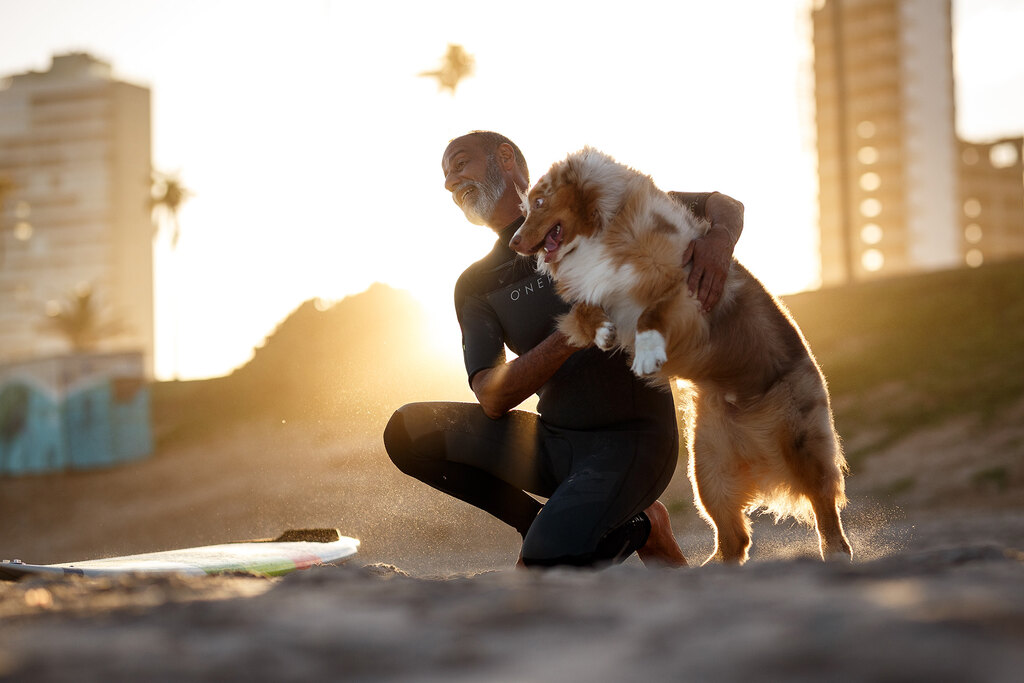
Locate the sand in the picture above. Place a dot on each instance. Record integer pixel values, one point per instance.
(936, 591)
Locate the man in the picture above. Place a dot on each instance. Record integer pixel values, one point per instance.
(603, 445)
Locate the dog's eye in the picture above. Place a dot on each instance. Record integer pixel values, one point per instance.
(538, 202)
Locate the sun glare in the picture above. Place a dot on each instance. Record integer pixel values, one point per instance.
(317, 173)
(444, 338)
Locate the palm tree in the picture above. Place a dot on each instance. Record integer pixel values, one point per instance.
(455, 65)
(166, 200)
(79, 321)
(167, 196)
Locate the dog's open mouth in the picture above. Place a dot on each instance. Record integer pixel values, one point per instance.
(552, 242)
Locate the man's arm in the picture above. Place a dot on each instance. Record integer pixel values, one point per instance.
(711, 255)
(501, 388)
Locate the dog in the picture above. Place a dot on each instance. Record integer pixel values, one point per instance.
(761, 435)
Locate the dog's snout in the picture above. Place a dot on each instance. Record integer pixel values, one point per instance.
(516, 239)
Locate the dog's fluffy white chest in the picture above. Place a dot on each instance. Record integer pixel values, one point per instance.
(591, 274)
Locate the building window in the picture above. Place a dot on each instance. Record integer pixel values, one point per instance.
(870, 208)
(871, 233)
(870, 181)
(867, 155)
(872, 260)
(974, 258)
(1003, 155)
(972, 208)
(972, 233)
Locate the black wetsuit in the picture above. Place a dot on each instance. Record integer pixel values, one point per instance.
(603, 447)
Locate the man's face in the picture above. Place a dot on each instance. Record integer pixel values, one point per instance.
(474, 178)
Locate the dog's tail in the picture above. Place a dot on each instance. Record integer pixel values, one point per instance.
(782, 503)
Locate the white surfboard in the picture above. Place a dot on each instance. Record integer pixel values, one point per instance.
(292, 550)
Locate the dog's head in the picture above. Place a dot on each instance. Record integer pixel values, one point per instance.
(573, 201)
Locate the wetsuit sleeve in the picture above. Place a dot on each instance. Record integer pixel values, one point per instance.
(483, 344)
(696, 202)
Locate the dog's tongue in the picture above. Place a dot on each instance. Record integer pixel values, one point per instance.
(552, 241)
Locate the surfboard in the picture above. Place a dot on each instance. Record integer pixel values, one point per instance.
(294, 549)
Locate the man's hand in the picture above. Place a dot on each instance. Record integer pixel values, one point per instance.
(711, 255)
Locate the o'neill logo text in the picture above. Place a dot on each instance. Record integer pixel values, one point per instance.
(528, 288)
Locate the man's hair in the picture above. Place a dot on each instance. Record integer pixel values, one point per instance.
(491, 142)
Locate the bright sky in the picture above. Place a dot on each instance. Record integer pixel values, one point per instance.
(313, 148)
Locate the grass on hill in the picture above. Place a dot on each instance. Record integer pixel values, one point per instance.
(905, 353)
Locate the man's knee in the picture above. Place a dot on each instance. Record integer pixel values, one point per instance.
(410, 437)
(397, 441)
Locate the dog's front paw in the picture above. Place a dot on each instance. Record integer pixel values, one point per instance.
(649, 353)
(605, 336)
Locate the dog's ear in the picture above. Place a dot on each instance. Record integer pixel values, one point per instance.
(594, 208)
(572, 174)
(524, 200)
(596, 185)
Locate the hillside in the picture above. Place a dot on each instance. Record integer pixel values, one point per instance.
(355, 360)
(927, 378)
(952, 341)
(937, 356)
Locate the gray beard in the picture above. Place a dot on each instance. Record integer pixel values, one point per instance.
(480, 206)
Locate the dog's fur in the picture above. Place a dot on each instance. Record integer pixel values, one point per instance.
(762, 433)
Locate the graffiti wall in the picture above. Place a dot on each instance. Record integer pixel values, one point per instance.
(73, 412)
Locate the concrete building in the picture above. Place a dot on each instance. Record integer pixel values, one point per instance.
(992, 192)
(887, 147)
(75, 164)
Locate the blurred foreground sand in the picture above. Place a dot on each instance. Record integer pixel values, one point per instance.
(935, 592)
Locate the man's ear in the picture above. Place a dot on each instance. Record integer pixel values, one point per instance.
(506, 156)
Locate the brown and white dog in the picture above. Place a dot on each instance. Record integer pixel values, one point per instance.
(762, 435)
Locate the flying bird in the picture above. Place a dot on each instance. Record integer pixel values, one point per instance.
(455, 65)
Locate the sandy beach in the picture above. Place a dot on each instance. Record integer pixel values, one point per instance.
(945, 614)
(934, 593)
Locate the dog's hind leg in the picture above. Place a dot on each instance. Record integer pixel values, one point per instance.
(814, 456)
(833, 543)
(827, 498)
(722, 487)
(732, 531)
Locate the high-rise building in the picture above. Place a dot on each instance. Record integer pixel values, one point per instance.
(887, 147)
(992, 190)
(75, 224)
